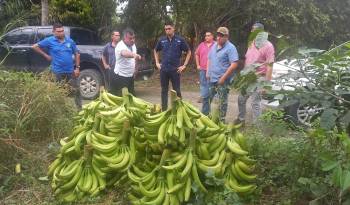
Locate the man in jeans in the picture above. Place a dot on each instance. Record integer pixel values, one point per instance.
(201, 62)
(223, 61)
(258, 54)
(60, 50)
(171, 46)
(125, 64)
(108, 57)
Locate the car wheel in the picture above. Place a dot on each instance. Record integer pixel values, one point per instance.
(90, 81)
(302, 114)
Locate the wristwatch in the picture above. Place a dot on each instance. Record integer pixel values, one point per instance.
(78, 66)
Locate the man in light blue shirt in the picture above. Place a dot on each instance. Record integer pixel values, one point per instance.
(222, 62)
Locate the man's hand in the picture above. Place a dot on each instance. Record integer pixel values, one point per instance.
(137, 56)
(48, 58)
(76, 73)
(158, 65)
(198, 67)
(181, 68)
(107, 67)
(221, 80)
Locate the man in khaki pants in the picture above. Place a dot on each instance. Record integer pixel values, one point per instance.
(260, 54)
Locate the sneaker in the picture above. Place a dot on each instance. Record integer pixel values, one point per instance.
(239, 121)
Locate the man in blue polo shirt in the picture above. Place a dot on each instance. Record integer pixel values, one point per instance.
(172, 46)
(222, 62)
(59, 50)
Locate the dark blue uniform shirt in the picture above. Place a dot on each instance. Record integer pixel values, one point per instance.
(171, 51)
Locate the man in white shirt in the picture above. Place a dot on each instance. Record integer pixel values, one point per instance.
(125, 59)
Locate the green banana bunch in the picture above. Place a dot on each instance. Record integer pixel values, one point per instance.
(160, 154)
(232, 184)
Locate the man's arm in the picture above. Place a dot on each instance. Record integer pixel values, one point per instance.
(129, 54)
(77, 64)
(156, 58)
(183, 67)
(270, 58)
(197, 61)
(207, 73)
(228, 72)
(77, 60)
(104, 59)
(197, 58)
(269, 72)
(104, 62)
(37, 49)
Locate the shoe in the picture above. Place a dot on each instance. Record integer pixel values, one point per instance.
(239, 122)
(200, 100)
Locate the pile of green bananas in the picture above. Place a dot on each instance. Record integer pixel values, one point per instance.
(101, 147)
(184, 152)
(74, 179)
(161, 155)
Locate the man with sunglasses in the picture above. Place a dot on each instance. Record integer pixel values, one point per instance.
(108, 57)
(172, 46)
(201, 56)
(222, 62)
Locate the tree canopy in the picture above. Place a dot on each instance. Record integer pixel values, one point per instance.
(311, 23)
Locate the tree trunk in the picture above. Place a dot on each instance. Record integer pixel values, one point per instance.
(44, 12)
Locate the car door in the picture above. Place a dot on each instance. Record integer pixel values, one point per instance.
(37, 62)
(15, 48)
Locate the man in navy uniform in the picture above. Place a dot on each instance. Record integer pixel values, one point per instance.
(172, 46)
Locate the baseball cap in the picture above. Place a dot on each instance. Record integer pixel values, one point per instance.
(258, 25)
(223, 30)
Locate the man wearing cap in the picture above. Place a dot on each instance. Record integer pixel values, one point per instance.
(222, 62)
(201, 62)
(260, 54)
(172, 46)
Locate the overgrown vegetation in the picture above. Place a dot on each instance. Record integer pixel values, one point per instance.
(34, 114)
(325, 84)
(300, 168)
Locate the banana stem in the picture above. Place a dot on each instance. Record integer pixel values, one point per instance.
(97, 121)
(126, 132)
(173, 98)
(193, 135)
(165, 155)
(125, 94)
(88, 154)
(102, 89)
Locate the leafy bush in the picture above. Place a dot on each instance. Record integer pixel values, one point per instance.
(312, 167)
(326, 84)
(32, 109)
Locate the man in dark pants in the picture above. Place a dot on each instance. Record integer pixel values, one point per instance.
(172, 46)
(60, 50)
(108, 57)
(125, 64)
